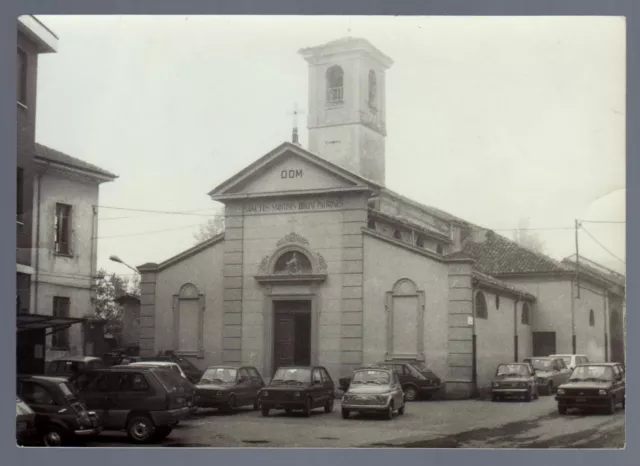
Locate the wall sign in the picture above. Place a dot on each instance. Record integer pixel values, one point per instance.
(293, 206)
(291, 173)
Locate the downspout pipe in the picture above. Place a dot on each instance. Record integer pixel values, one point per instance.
(515, 330)
(37, 245)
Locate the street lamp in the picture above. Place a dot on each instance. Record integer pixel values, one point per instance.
(117, 259)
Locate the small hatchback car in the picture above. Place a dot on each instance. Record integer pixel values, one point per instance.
(60, 417)
(298, 388)
(374, 390)
(550, 373)
(145, 402)
(598, 385)
(229, 387)
(516, 379)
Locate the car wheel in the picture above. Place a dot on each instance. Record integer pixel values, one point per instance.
(562, 410)
(345, 413)
(410, 393)
(389, 412)
(306, 410)
(265, 411)
(54, 436)
(611, 406)
(328, 407)
(140, 429)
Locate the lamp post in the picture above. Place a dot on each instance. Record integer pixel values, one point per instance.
(117, 259)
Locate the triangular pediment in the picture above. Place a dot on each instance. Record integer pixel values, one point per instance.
(289, 169)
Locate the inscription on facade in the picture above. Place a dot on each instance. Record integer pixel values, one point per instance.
(293, 206)
(297, 173)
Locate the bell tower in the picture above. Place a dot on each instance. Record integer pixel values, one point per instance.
(346, 120)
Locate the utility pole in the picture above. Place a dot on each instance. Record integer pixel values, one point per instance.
(573, 330)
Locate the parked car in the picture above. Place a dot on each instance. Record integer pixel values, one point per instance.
(298, 388)
(26, 431)
(516, 379)
(229, 387)
(594, 385)
(374, 390)
(181, 377)
(69, 365)
(415, 377)
(188, 368)
(60, 417)
(145, 402)
(571, 360)
(550, 373)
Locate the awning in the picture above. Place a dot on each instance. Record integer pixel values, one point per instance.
(38, 321)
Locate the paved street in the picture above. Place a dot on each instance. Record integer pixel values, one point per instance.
(441, 424)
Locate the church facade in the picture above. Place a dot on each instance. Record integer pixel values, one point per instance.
(320, 263)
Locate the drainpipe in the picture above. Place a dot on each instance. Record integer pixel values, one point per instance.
(573, 318)
(606, 325)
(515, 330)
(37, 261)
(474, 353)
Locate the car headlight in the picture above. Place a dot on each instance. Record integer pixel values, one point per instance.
(560, 391)
(602, 392)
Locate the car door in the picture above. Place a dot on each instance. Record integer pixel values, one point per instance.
(40, 399)
(256, 381)
(329, 386)
(317, 387)
(396, 389)
(243, 387)
(618, 384)
(563, 372)
(96, 395)
(133, 392)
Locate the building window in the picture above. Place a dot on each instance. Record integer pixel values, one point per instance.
(481, 306)
(420, 241)
(397, 234)
(371, 224)
(21, 78)
(497, 301)
(62, 229)
(335, 84)
(439, 249)
(373, 86)
(592, 318)
(524, 316)
(19, 194)
(60, 337)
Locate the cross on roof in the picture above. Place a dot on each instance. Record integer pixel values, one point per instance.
(295, 112)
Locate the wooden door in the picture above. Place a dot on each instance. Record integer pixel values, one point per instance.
(544, 344)
(284, 336)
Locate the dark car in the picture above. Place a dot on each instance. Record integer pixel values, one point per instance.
(180, 376)
(298, 388)
(595, 385)
(61, 418)
(145, 402)
(228, 387)
(550, 373)
(516, 379)
(26, 431)
(68, 366)
(415, 377)
(190, 370)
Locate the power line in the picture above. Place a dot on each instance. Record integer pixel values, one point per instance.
(600, 244)
(150, 232)
(603, 221)
(183, 212)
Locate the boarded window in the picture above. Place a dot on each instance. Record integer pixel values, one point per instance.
(60, 337)
(481, 306)
(524, 317)
(62, 228)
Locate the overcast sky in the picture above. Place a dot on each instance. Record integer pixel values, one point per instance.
(494, 120)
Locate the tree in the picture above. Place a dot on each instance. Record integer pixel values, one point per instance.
(528, 238)
(108, 289)
(214, 226)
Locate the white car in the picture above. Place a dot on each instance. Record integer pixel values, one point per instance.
(572, 360)
(171, 365)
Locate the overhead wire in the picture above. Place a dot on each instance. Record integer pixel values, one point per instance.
(600, 244)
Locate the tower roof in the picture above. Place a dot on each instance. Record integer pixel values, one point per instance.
(346, 44)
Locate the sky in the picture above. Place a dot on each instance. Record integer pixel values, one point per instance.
(501, 121)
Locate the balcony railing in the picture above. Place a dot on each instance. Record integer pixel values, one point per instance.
(335, 95)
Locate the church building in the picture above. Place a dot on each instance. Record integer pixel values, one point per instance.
(320, 263)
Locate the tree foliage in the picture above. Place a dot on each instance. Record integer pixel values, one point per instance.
(528, 238)
(212, 227)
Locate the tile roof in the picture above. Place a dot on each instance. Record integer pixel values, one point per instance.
(56, 156)
(498, 255)
(489, 280)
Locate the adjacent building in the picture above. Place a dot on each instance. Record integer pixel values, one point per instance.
(321, 263)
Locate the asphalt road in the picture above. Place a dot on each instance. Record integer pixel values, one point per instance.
(426, 424)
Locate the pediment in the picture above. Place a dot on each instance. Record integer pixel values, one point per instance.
(289, 168)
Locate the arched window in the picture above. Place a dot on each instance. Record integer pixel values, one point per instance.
(420, 241)
(397, 234)
(293, 263)
(335, 84)
(592, 318)
(373, 88)
(480, 306)
(524, 316)
(497, 301)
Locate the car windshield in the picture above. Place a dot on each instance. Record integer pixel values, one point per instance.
(167, 378)
(542, 364)
(592, 373)
(371, 376)
(293, 376)
(512, 370)
(219, 375)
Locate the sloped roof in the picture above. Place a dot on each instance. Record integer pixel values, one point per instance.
(47, 153)
(499, 284)
(496, 255)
